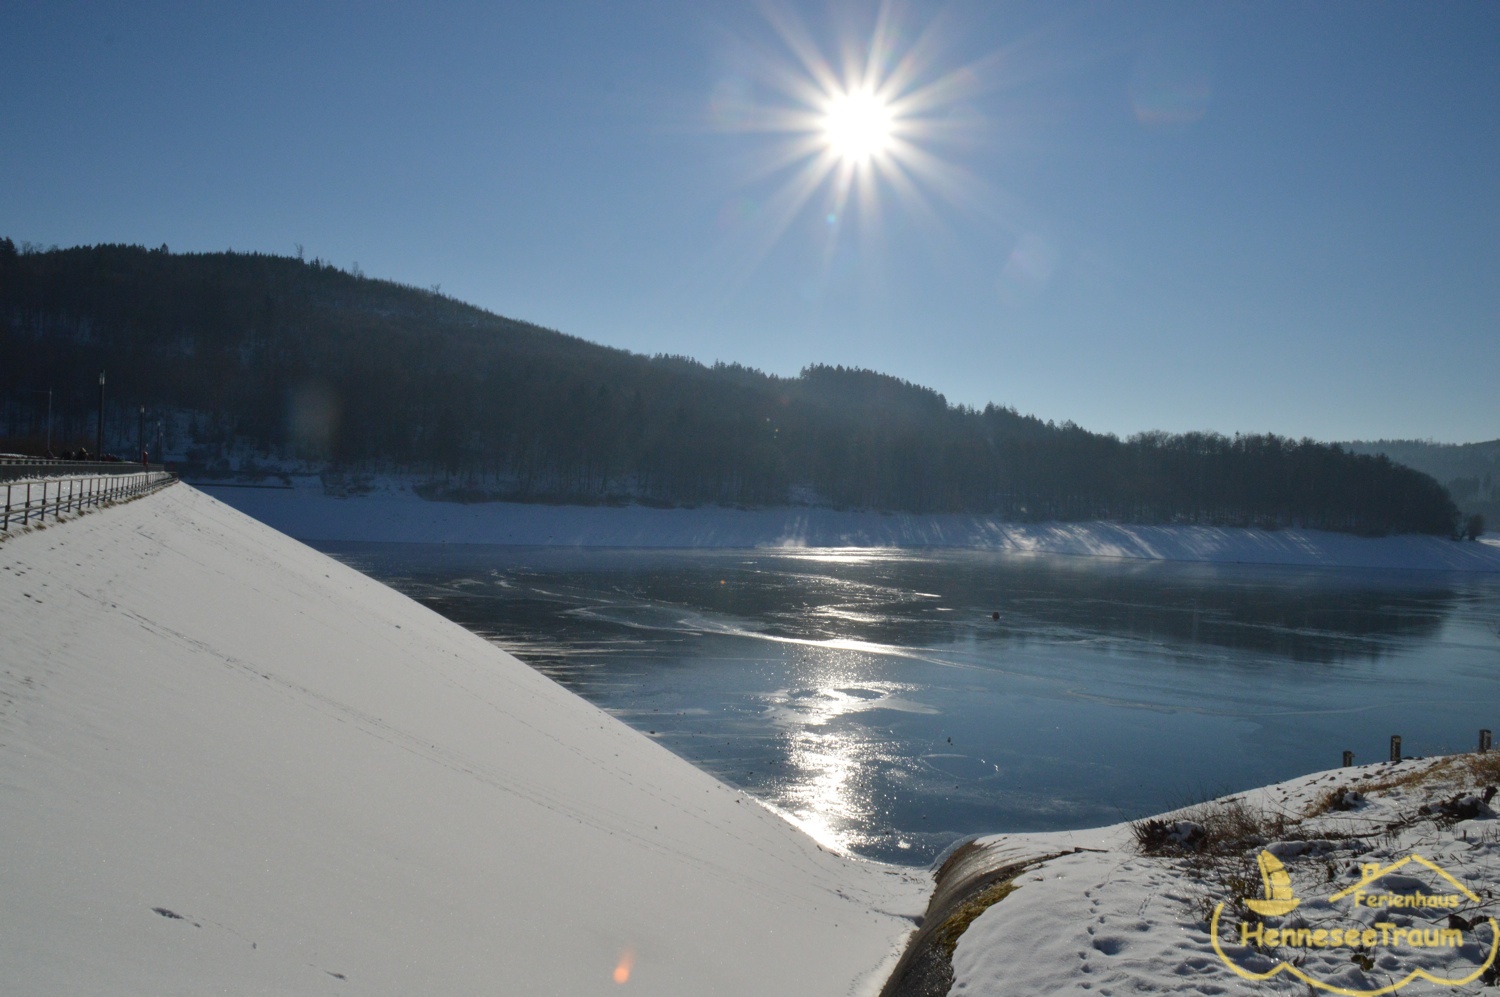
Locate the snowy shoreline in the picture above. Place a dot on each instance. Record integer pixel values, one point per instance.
(392, 512)
(1092, 911)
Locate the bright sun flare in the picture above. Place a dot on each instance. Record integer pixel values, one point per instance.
(851, 132)
(857, 126)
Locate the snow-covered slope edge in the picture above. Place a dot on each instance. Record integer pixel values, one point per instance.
(229, 764)
(1109, 916)
(393, 513)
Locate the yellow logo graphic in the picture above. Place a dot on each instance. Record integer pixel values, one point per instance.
(1278, 886)
(1371, 919)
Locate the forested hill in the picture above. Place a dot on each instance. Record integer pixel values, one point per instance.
(1470, 471)
(302, 360)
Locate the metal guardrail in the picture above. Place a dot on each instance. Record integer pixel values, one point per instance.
(20, 468)
(26, 501)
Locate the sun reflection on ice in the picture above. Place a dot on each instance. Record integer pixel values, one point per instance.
(828, 789)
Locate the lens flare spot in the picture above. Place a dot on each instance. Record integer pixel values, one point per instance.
(1171, 87)
(624, 966)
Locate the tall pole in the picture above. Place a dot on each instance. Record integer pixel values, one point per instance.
(99, 440)
(140, 435)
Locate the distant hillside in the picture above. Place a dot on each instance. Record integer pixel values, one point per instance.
(293, 360)
(1470, 471)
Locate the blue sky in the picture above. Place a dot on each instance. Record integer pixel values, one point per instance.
(1234, 217)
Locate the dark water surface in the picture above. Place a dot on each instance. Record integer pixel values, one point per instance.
(871, 696)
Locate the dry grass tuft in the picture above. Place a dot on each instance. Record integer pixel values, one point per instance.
(1458, 772)
(1406, 780)
(1483, 770)
(1220, 827)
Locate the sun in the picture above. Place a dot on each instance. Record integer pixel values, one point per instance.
(856, 117)
(858, 126)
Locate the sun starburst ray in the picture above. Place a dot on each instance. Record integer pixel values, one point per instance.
(866, 123)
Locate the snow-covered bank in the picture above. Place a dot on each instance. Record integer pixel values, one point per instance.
(393, 512)
(229, 764)
(1102, 917)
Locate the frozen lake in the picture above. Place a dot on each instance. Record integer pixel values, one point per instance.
(873, 697)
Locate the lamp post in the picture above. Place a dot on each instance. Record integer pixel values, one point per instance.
(99, 439)
(140, 435)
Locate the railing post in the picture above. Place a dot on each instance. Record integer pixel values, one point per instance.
(7, 505)
(26, 515)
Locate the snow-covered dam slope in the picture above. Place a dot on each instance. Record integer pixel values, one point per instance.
(229, 764)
